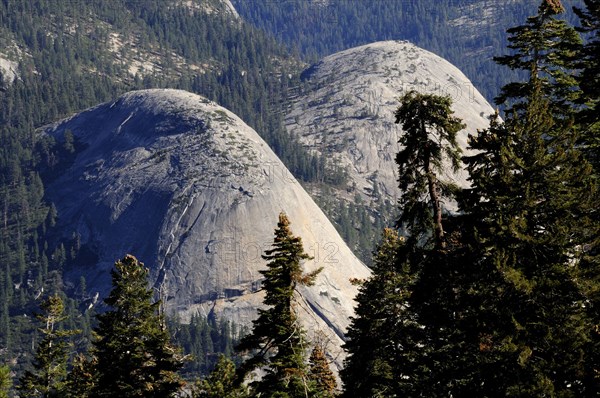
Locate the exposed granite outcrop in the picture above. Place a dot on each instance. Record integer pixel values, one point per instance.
(194, 193)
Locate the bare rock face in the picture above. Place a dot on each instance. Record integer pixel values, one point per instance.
(194, 193)
(8, 70)
(347, 112)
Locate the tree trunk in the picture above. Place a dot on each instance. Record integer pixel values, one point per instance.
(436, 204)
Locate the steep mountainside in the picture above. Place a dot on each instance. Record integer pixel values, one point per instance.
(123, 36)
(468, 33)
(194, 193)
(346, 112)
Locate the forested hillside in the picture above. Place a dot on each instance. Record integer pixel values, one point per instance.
(467, 33)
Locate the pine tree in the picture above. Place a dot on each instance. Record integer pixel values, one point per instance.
(398, 344)
(429, 138)
(5, 381)
(51, 357)
(588, 120)
(320, 373)
(221, 382)
(371, 339)
(277, 340)
(81, 378)
(133, 350)
(546, 48)
(589, 81)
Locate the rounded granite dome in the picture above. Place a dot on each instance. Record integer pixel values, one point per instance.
(348, 110)
(194, 193)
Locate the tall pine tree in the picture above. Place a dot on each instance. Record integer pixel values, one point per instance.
(546, 47)
(325, 384)
(589, 81)
(371, 340)
(531, 201)
(589, 122)
(429, 138)
(277, 342)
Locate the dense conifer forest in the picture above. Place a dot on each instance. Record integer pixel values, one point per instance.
(500, 300)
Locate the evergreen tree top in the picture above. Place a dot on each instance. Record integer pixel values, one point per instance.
(277, 339)
(551, 7)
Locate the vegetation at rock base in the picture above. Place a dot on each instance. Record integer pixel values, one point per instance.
(221, 382)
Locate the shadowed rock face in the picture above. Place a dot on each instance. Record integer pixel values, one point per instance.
(347, 112)
(194, 193)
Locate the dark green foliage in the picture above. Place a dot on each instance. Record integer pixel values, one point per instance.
(359, 222)
(47, 379)
(590, 26)
(531, 201)
(133, 352)
(371, 337)
(589, 81)
(589, 124)
(277, 344)
(416, 330)
(81, 378)
(429, 138)
(532, 204)
(203, 340)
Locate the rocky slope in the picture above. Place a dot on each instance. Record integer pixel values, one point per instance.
(194, 193)
(346, 111)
